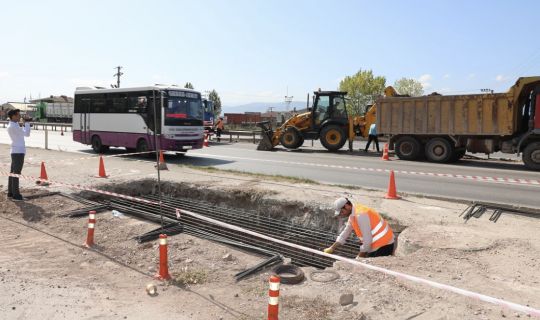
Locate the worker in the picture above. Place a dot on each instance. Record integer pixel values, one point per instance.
(372, 137)
(377, 238)
(219, 128)
(18, 150)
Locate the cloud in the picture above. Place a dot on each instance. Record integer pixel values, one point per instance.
(472, 75)
(4, 74)
(500, 78)
(446, 76)
(425, 80)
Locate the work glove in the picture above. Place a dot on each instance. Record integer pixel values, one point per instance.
(328, 250)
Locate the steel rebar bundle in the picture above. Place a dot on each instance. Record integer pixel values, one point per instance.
(282, 230)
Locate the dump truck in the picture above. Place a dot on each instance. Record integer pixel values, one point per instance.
(443, 128)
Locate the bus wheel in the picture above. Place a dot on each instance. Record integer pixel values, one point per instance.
(142, 146)
(531, 156)
(97, 146)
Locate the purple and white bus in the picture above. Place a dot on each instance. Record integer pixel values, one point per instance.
(131, 117)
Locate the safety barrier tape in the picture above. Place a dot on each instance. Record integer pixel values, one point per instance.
(432, 174)
(467, 293)
(53, 162)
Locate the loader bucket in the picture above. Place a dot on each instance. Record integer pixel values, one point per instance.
(266, 136)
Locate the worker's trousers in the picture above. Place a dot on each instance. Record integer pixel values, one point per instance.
(372, 138)
(17, 162)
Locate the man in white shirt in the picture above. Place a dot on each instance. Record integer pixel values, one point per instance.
(18, 150)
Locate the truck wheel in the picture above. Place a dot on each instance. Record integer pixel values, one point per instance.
(291, 138)
(97, 146)
(333, 137)
(439, 150)
(408, 148)
(531, 156)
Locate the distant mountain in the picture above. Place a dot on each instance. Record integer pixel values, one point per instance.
(262, 107)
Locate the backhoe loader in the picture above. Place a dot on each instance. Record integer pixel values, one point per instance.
(327, 120)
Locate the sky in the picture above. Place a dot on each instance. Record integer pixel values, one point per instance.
(260, 51)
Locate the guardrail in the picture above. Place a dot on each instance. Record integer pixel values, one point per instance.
(54, 126)
(255, 134)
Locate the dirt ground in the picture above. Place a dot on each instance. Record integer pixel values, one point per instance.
(46, 274)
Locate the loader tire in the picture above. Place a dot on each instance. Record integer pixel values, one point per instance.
(333, 137)
(291, 138)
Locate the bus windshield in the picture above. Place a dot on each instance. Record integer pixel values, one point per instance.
(183, 106)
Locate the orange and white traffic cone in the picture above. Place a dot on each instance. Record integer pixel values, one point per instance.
(392, 194)
(206, 144)
(273, 298)
(43, 176)
(162, 165)
(101, 173)
(91, 225)
(163, 273)
(385, 156)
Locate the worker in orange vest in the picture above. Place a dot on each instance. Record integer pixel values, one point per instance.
(377, 238)
(219, 128)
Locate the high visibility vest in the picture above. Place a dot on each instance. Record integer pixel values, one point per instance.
(380, 230)
(219, 124)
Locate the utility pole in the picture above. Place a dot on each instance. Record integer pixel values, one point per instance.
(271, 110)
(117, 75)
(288, 100)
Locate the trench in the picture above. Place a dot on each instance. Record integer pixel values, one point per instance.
(294, 221)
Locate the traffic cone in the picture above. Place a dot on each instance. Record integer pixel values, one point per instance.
(43, 176)
(205, 144)
(102, 173)
(385, 153)
(392, 194)
(161, 165)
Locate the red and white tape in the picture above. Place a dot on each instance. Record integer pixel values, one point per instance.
(467, 293)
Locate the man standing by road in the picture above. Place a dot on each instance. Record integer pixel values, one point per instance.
(219, 128)
(376, 235)
(372, 137)
(18, 150)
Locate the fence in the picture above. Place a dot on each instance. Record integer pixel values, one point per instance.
(44, 125)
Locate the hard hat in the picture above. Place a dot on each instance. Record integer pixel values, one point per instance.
(338, 204)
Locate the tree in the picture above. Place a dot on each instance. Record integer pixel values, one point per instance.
(188, 85)
(409, 86)
(363, 88)
(214, 97)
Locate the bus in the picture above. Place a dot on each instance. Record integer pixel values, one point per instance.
(208, 120)
(139, 119)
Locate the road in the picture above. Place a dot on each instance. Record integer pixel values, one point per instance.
(475, 180)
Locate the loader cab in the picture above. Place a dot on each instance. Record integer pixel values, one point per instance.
(328, 106)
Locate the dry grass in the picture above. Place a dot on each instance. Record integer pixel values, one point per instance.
(317, 308)
(274, 177)
(187, 277)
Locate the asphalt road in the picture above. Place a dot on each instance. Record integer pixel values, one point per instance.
(476, 180)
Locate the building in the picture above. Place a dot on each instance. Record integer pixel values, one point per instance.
(26, 108)
(247, 118)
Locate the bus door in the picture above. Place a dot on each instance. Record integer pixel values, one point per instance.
(85, 120)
